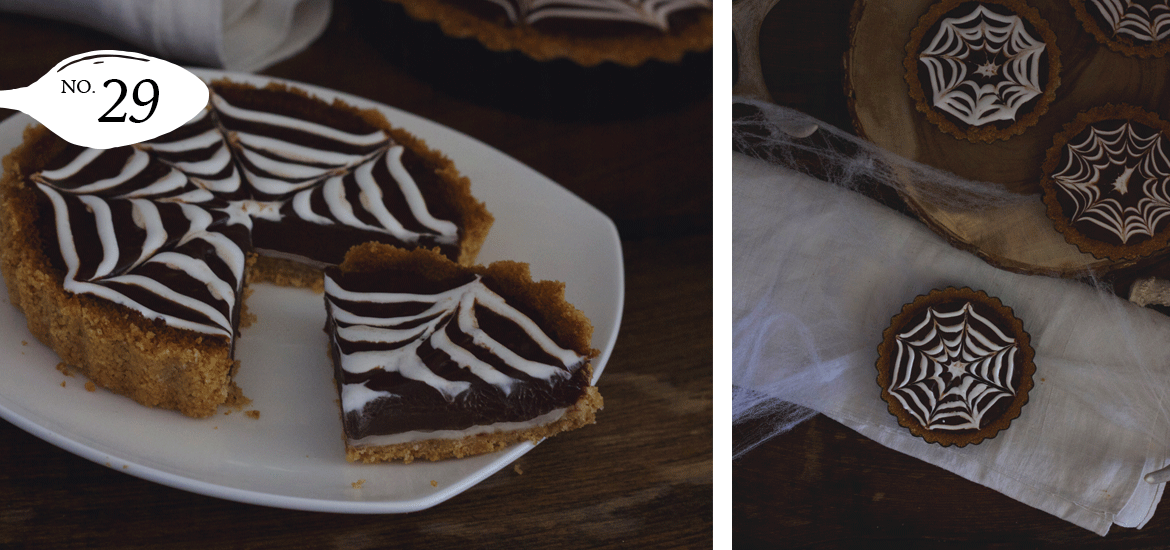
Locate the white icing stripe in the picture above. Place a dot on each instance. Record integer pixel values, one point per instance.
(227, 251)
(198, 141)
(303, 207)
(147, 217)
(277, 187)
(65, 240)
(414, 198)
(440, 341)
(105, 232)
(230, 184)
(211, 165)
(80, 287)
(297, 124)
(298, 153)
(173, 181)
(977, 41)
(379, 335)
(950, 383)
(281, 169)
(136, 163)
(485, 297)
(80, 161)
(199, 270)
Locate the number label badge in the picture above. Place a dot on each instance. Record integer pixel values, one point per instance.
(109, 98)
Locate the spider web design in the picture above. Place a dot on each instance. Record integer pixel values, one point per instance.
(173, 217)
(952, 368)
(404, 332)
(1102, 172)
(1144, 23)
(972, 44)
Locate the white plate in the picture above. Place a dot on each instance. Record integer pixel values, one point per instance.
(293, 456)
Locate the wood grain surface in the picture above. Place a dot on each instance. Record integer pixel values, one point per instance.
(640, 478)
(823, 485)
(1090, 75)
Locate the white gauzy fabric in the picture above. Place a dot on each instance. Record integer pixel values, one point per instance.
(238, 35)
(819, 271)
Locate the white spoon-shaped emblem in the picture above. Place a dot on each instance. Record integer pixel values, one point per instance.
(110, 98)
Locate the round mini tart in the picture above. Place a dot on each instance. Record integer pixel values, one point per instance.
(982, 71)
(1131, 28)
(1106, 182)
(955, 366)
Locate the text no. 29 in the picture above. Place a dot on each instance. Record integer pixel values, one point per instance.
(83, 86)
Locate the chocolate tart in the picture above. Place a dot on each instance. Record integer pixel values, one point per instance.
(955, 366)
(1106, 182)
(573, 60)
(984, 89)
(1134, 29)
(435, 360)
(131, 263)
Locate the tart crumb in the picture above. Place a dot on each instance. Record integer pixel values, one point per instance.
(434, 483)
(89, 386)
(253, 414)
(358, 484)
(62, 383)
(516, 468)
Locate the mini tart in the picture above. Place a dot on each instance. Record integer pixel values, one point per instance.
(962, 391)
(1026, 78)
(1106, 182)
(1132, 30)
(627, 45)
(435, 360)
(131, 263)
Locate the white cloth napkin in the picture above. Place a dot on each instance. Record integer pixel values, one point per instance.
(238, 35)
(819, 271)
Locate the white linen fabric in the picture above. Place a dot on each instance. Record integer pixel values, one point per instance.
(238, 35)
(818, 272)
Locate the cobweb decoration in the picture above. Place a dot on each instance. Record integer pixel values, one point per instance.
(788, 345)
(995, 47)
(1125, 199)
(786, 137)
(951, 368)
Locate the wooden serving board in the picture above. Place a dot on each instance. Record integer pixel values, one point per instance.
(1019, 238)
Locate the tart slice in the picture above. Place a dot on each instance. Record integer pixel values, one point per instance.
(435, 360)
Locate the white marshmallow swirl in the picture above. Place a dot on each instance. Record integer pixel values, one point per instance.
(1117, 177)
(952, 367)
(997, 48)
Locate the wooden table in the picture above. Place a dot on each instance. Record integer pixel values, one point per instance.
(640, 478)
(823, 485)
